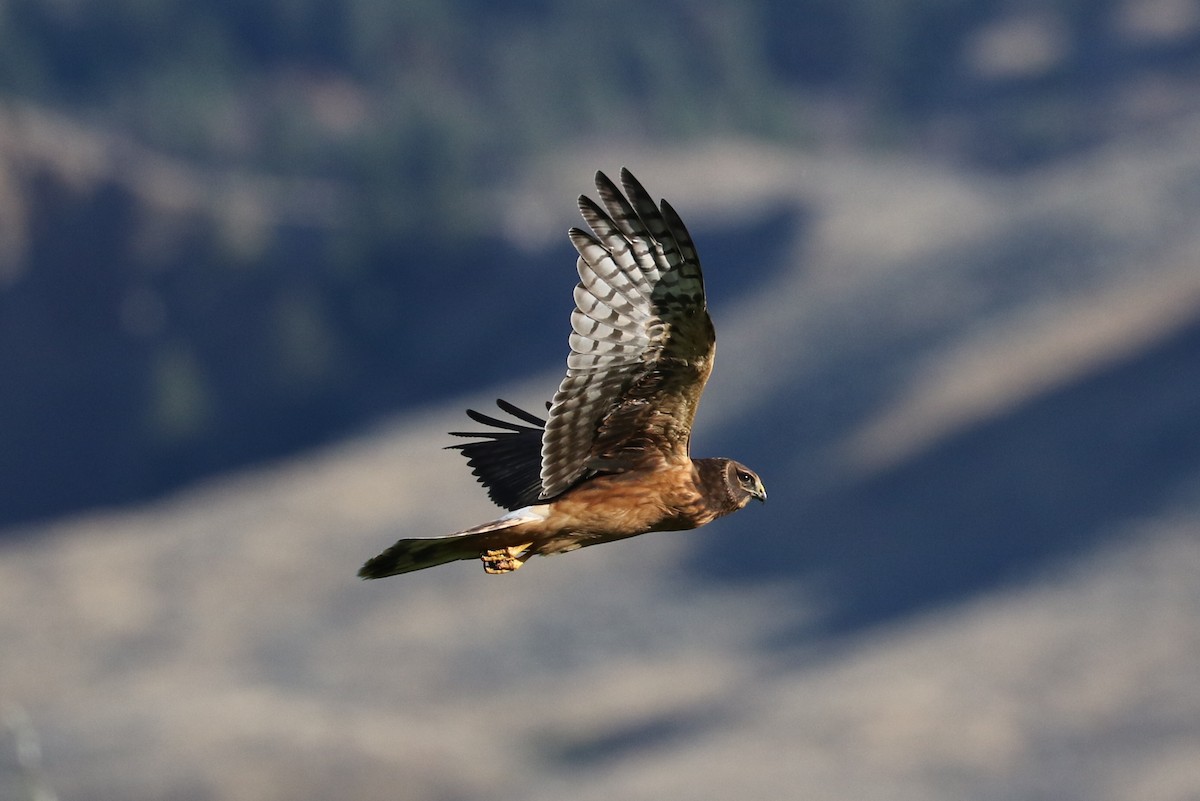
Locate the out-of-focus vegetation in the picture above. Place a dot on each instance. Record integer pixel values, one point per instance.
(434, 94)
(277, 242)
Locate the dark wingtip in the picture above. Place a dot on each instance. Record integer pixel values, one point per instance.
(604, 184)
(505, 458)
(630, 182)
(521, 414)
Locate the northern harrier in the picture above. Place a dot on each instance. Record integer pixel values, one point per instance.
(612, 460)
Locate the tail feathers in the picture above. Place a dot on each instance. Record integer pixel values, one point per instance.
(418, 553)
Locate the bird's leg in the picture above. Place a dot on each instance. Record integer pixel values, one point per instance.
(506, 560)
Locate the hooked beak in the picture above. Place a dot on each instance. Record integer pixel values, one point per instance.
(760, 492)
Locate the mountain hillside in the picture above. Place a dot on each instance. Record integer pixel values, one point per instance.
(973, 399)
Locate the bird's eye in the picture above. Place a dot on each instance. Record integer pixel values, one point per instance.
(744, 477)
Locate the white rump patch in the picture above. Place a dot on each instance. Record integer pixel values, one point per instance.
(527, 514)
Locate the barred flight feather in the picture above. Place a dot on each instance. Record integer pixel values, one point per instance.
(640, 300)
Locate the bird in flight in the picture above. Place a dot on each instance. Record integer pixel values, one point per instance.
(612, 458)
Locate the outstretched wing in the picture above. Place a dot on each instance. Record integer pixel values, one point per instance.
(641, 345)
(508, 459)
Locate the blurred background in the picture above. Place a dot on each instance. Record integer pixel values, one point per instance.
(256, 257)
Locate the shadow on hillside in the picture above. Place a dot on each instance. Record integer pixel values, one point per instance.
(1050, 479)
(94, 416)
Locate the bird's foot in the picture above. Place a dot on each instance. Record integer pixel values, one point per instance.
(506, 560)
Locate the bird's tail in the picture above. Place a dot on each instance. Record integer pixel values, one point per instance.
(418, 553)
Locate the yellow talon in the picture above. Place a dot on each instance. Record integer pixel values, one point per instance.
(505, 560)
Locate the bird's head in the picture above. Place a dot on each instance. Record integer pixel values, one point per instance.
(743, 484)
